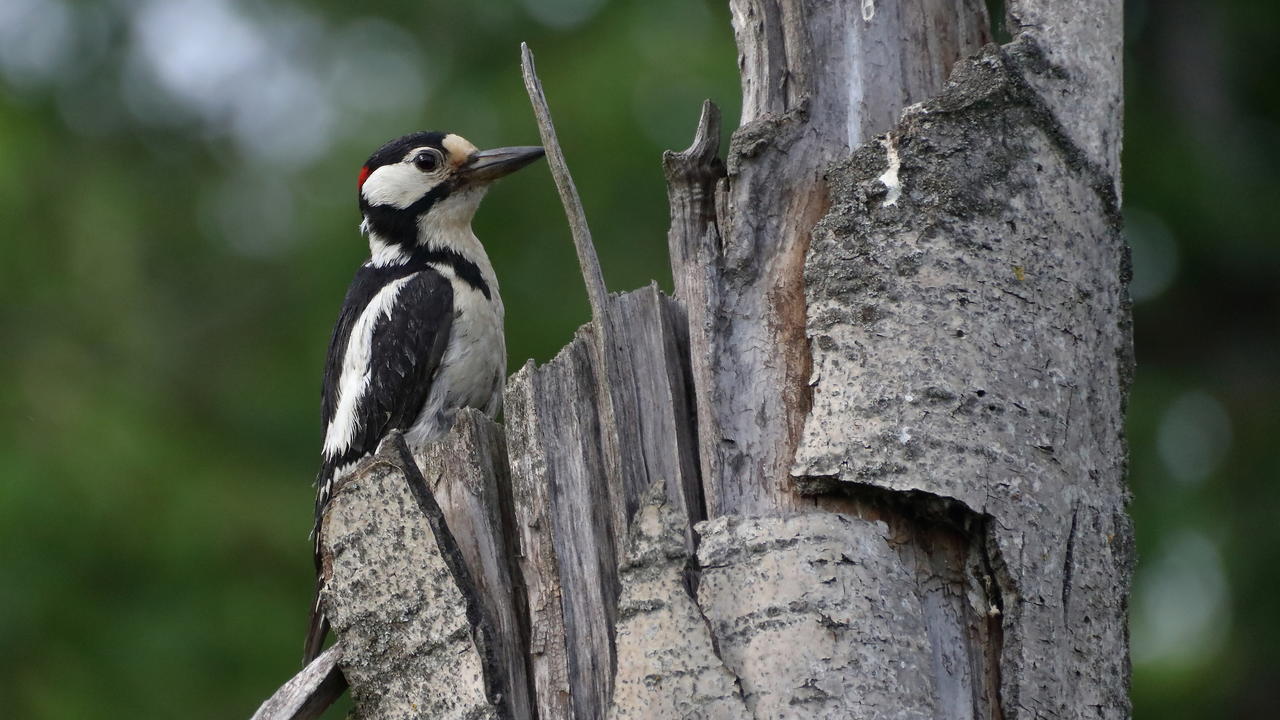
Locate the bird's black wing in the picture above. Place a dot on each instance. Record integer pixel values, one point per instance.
(364, 286)
(408, 341)
(409, 337)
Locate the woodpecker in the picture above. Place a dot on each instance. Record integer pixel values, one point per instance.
(420, 331)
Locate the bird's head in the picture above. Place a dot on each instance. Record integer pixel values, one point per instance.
(430, 180)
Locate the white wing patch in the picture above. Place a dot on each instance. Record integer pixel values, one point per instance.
(356, 372)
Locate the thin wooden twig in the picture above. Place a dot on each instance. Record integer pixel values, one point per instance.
(591, 274)
(607, 371)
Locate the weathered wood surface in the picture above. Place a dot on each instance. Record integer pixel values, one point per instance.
(567, 501)
(1072, 54)
(469, 478)
(818, 78)
(562, 514)
(808, 611)
(668, 663)
(648, 379)
(309, 693)
(964, 300)
(418, 639)
(969, 322)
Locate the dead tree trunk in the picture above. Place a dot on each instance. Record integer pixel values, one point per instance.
(868, 462)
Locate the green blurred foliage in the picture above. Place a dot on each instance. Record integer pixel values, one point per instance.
(1202, 204)
(178, 203)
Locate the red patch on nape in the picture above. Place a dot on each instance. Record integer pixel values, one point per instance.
(364, 175)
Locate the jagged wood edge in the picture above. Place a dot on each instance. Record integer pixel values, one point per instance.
(692, 175)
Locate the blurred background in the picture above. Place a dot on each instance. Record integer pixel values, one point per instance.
(177, 203)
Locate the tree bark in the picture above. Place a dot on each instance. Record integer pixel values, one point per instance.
(419, 584)
(818, 78)
(869, 461)
(970, 331)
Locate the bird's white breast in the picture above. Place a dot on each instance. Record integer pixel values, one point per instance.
(475, 361)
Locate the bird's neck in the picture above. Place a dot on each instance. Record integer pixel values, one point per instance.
(393, 250)
(436, 245)
(397, 235)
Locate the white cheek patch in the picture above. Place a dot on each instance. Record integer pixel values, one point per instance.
(397, 185)
(458, 147)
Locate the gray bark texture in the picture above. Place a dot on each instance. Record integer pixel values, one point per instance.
(868, 462)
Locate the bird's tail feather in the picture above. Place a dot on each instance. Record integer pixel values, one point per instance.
(317, 629)
(317, 623)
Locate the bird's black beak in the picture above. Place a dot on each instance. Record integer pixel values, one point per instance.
(486, 165)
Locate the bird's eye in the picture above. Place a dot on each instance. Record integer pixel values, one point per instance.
(428, 160)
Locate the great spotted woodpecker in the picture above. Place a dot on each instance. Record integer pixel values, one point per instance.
(420, 332)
